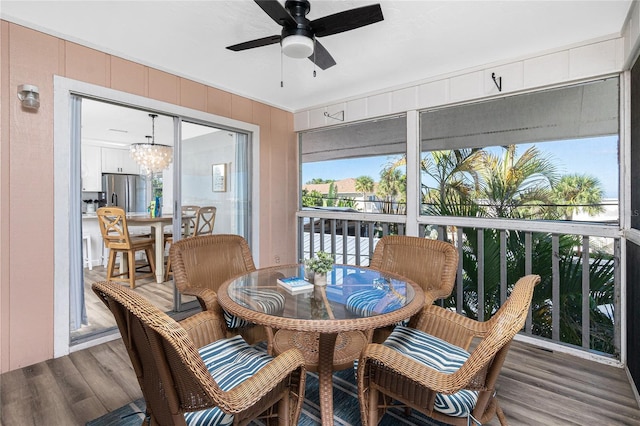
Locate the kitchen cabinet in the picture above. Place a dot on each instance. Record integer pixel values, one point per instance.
(91, 168)
(118, 161)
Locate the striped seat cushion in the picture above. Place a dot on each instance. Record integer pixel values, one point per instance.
(441, 356)
(230, 362)
(267, 301)
(374, 301)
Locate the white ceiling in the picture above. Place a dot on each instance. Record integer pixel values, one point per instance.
(118, 126)
(417, 40)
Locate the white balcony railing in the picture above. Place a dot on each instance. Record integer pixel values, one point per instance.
(577, 303)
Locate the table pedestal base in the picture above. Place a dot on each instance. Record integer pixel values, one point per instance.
(347, 348)
(324, 353)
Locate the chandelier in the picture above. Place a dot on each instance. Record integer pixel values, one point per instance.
(152, 157)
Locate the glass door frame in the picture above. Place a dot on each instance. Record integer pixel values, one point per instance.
(67, 179)
(179, 306)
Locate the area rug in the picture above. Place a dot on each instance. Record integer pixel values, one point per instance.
(345, 405)
(131, 414)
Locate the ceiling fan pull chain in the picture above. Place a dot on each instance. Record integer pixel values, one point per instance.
(281, 68)
(314, 57)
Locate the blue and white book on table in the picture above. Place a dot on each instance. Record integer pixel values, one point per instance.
(295, 284)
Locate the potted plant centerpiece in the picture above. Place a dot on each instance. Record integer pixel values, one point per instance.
(320, 265)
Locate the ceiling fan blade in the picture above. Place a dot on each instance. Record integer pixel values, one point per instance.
(347, 20)
(322, 57)
(277, 12)
(265, 41)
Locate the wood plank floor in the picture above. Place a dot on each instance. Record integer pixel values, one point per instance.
(537, 387)
(100, 318)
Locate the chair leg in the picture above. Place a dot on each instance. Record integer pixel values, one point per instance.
(372, 415)
(111, 264)
(501, 417)
(167, 270)
(284, 408)
(151, 259)
(132, 268)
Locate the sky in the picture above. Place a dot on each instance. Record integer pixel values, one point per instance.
(592, 156)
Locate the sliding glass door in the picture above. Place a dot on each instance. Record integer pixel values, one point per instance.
(214, 167)
(84, 130)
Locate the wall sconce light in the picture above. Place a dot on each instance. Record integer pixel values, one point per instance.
(29, 96)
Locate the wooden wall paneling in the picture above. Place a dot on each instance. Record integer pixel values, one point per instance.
(5, 253)
(218, 102)
(284, 189)
(261, 116)
(293, 193)
(129, 77)
(164, 86)
(33, 60)
(193, 95)
(62, 57)
(85, 64)
(26, 208)
(241, 108)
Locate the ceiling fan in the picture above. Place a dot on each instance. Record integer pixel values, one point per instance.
(298, 36)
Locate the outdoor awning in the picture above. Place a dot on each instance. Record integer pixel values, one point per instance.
(584, 110)
(381, 137)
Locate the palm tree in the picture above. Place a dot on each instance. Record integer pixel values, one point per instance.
(514, 187)
(456, 179)
(364, 184)
(517, 186)
(575, 193)
(392, 189)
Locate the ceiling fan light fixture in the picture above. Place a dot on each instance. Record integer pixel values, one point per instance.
(297, 46)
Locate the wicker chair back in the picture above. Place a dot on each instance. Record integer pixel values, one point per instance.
(173, 376)
(432, 264)
(386, 374)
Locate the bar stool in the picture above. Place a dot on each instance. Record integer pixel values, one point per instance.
(115, 235)
(87, 257)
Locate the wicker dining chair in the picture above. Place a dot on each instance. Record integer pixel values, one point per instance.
(116, 237)
(190, 374)
(447, 366)
(202, 263)
(432, 264)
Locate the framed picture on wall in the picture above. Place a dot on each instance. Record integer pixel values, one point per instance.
(219, 176)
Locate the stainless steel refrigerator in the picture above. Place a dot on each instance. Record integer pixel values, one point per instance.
(126, 191)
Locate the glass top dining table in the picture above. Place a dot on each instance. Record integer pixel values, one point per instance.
(329, 323)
